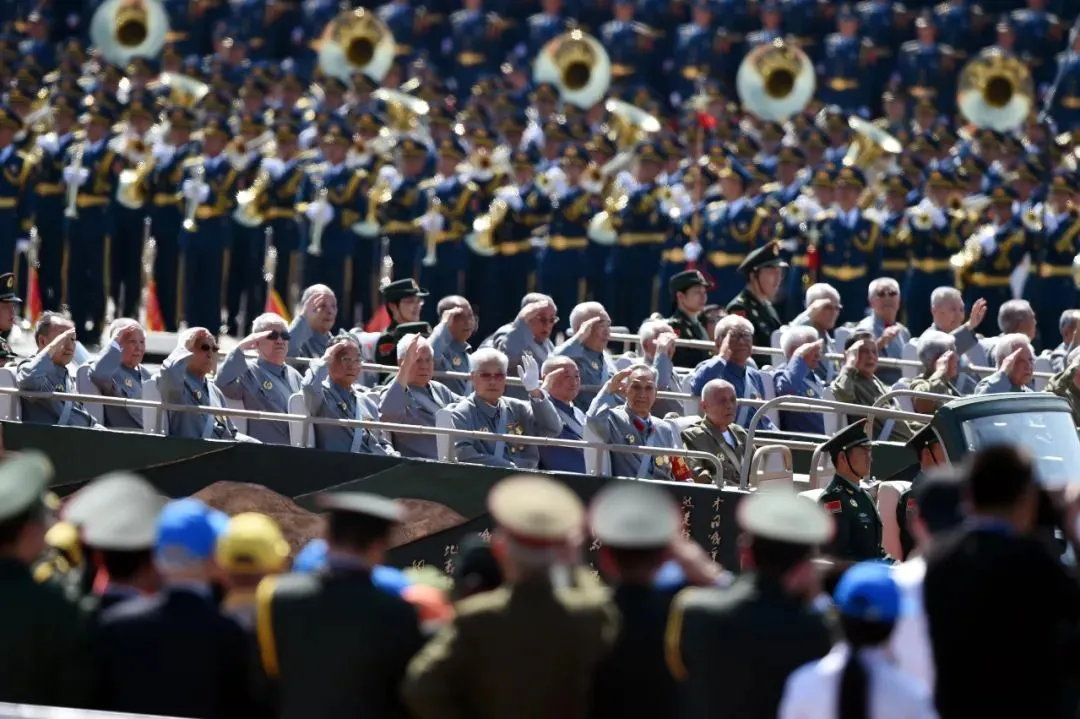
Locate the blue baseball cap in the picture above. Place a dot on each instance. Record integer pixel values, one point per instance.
(868, 592)
(188, 530)
(311, 558)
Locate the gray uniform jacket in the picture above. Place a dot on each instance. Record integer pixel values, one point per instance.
(998, 383)
(304, 341)
(666, 380)
(536, 418)
(324, 398)
(178, 386)
(450, 356)
(262, 387)
(827, 368)
(415, 405)
(113, 379)
(973, 351)
(612, 422)
(893, 350)
(596, 368)
(515, 339)
(41, 374)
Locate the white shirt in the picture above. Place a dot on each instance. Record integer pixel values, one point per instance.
(910, 641)
(813, 690)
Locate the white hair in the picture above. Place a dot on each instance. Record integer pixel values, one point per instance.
(584, 312)
(536, 297)
(932, 345)
(485, 356)
(1012, 314)
(795, 337)
(941, 295)
(715, 385)
(315, 290)
(553, 362)
(1007, 344)
(403, 344)
(881, 282)
(651, 329)
(729, 323)
(184, 337)
(1069, 318)
(267, 320)
(450, 302)
(821, 291)
(642, 367)
(120, 324)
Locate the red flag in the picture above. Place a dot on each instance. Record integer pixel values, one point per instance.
(33, 290)
(155, 321)
(706, 121)
(275, 304)
(380, 321)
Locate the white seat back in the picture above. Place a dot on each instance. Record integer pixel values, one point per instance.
(813, 494)
(888, 496)
(151, 393)
(833, 421)
(1042, 364)
(774, 340)
(301, 434)
(83, 385)
(771, 467)
(239, 422)
(444, 443)
(911, 352)
(821, 469)
(768, 377)
(840, 335)
(10, 405)
(597, 461)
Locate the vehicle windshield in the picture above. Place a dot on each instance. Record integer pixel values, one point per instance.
(1049, 436)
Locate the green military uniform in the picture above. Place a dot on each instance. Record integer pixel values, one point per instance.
(685, 326)
(728, 447)
(925, 438)
(392, 293)
(858, 524)
(7, 294)
(760, 312)
(43, 642)
(335, 644)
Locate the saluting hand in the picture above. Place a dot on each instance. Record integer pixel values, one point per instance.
(407, 362)
(59, 341)
(665, 344)
(252, 340)
(945, 364)
(617, 383)
(810, 352)
(851, 355)
(529, 312)
(978, 313)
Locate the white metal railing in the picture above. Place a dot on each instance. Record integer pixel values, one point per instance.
(913, 394)
(819, 405)
(370, 425)
(28, 711)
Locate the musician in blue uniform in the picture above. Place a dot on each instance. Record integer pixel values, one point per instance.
(629, 45)
(732, 228)
(543, 26)
(695, 54)
(15, 189)
(927, 68)
(964, 26)
(561, 267)
(92, 171)
(895, 252)
(1039, 36)
(49, 197)
(335, 205)
(283, 178)
(1054, 290)
(403, 20)
(1063, 101)
(457, 203)
(472, 41)
(399, 216)
(847, 242)
(844, 67)
(209, 188)
(642, 226)
(1002, 244)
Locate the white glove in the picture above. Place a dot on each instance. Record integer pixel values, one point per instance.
(274, 167)
(163, 153)
(318, 211)
(22, 244)
(986, 241)
(196, 191)
(49, 143)
(939, 218)
(75, 175)
(529, 373)
(510, 196)
(389, 173)
(692, 250)
(556, 180)
(432, 222)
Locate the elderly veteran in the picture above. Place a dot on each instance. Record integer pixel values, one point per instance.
(947, 310)
(118, 371)
(310, 333)
(803, 347)
(590, 326)
(734, 341)
(890, 335)
(1067, 384)
(487, 409)
(450, 340)
(529, 333)
(1067, 325)
(1015, 366)
(622, 414)
(717, 434)
(822, 311)
(941, 370)
(657, 338)
(263, 384)
(47, 371)
(563, 387)
(857, 383)
(183, 379)
(328, 392)
(414, 397)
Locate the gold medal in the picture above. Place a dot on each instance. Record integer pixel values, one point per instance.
(631, 439)
(809, 393)
(456, 361)
(198, 394)
(268, 385)
(59, 388)
(853, 503)
(661, 461)
(128, 382)
(344, 407)
(595, 365)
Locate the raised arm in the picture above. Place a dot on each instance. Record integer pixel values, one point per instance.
(312, 386)
(103, 369)
(171, 377)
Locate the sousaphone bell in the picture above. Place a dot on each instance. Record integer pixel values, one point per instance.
(577, 65)
(995, 91)
(356, 41)
(775, 81)
(125, 29)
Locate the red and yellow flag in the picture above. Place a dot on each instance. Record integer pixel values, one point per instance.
(34, 304)
(275, 304)
(379, 321)
(155, 321)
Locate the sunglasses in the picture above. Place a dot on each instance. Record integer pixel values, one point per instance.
(208, 347)
(275, 335)
(887, 293)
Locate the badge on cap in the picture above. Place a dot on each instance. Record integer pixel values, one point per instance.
(59, 388)
(268, 385)
(853, 503)
(809, 392)
(344, 407)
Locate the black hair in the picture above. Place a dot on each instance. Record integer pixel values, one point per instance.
(854, 701)
(998, 476)
(775, 558)
(45, 323)
(636, 561)
(123, 566)
(856, 336)
(11, 528)
(356, 531)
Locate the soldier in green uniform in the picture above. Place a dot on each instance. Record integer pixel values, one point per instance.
(927, 446)
(858, 524)
(354, 664)
(690, 293)
(764, 272)
(44, 655)
(404, 300)
(9, 306)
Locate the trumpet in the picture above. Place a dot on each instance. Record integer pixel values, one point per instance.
(191, 206)
(318, 225)
(72, 210)
(248, 202)
(431, 257)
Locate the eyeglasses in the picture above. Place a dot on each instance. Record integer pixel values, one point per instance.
(491, 376)
(547, 320)
(278, 335)
(349, 360)
(208, 347)
(886, 293)
(741, 335)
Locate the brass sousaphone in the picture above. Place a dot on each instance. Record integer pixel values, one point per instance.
(122, 30)
(356, 41)
(775, 81)
(577, 65)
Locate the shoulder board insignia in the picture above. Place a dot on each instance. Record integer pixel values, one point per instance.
(912, 505)
(386, 348)
(315, 168)
(739, 311)
(472, 186)
(192, 161)
(835, 507)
